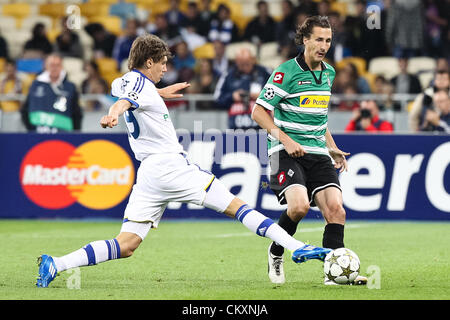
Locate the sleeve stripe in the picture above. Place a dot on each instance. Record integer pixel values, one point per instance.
(136, 84)
(141, 85)
(280, 92)
(131, 101)
(264, 104)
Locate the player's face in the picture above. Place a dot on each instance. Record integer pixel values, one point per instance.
(318, 44)
(158, 69)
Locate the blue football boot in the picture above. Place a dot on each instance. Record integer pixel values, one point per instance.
(47, 271)
(308, 252)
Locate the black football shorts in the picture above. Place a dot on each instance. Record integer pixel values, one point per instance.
(313, 171)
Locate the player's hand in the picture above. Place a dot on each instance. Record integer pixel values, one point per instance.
(339, 159)
(109, 121)
(170, 92)
(294, 149)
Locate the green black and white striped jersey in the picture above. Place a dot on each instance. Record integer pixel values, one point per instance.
(299, 99)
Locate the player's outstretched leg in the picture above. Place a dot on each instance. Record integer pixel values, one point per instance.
(93, 253)
(220, 199)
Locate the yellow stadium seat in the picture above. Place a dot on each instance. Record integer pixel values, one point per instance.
(17, 10)
(90, 10)
(111, 23)
(2, 64)
(106, 65)
(205, 51)
(370, 77)
(359, 62)
(340, 7)
(54, 10)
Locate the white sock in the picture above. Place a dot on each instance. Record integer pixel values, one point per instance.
(265, 227)
(91, 254)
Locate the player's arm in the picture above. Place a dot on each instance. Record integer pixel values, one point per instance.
(337, 154)
(265, 121)
(115, 111)
(170, 92)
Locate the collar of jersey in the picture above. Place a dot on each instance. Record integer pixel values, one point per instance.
(136, 70)
(302, 63)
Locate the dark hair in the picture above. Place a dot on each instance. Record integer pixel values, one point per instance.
(146, 47)
(306, 29)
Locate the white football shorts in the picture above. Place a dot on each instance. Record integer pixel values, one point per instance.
(171, 177)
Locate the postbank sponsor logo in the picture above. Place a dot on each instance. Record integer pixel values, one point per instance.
(314, 101)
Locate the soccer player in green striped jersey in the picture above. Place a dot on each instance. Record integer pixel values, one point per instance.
(300, 146)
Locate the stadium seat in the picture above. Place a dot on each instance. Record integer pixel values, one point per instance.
(16, 40)
(53, 10)
(370, 78)
(359, 62)
(268, 50)
(425, 78)
(72, 65)
(17, 10)
(271, 63)
(232, 48)
(7, 24)
(124, 66)
(111, 23)
(340, 7)
(90, 10)
(386, 66)
(205, 51)
(417, 64)
(2, 64)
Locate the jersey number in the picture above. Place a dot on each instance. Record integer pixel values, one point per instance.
(132, 124)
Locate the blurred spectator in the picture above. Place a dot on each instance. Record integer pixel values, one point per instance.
(437, 118)
(170, 77)
(366, 42)
(38, 46)
(93, 84)
(220, 62)
(11, 82)
(406, 82)
(379, 83)
(3, 48)
(174, 15)
(309, 7)
(349, 104)
(52, 102)
(183, 58)
(348, 76)
(435, 27)
(103, 40)
(193, 19)
(222, 27)
(204, 82)
(323, 8)
(367, 119)
(442, 64)
(339, 46)
(404, 28)
(237, 90)
(261, 29)
(389, 104)
(425, 100)
(163, 30)
(206, 15)
(285, 28)
(67, 42)
(123, 44)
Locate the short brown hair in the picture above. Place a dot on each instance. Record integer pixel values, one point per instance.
(306, 29)
(146, 47)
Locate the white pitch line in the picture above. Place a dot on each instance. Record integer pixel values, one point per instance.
(301, 230)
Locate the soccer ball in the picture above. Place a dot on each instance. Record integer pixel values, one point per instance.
(341, 266)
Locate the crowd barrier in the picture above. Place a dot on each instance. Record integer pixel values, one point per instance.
(400, 177)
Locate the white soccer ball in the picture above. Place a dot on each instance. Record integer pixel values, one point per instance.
(341, 266)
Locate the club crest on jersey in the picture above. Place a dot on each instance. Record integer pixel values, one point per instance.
(123, 85)
(278, 77)
(281, 177)
(269, 94)
(133, 95)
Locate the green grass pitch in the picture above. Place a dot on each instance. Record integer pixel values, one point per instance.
(222, 260)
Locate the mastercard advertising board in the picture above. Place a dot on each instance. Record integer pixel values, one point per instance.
(69, 175)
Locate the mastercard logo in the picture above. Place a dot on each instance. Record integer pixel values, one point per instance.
(98, 174)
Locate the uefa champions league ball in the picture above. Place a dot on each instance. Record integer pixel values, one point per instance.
(341, 266)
